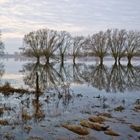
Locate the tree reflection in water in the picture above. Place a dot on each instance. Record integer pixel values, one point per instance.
(97, 76)
(55, 96)
(2, 70)
(53, 82)
(118, 78)
(44, 78)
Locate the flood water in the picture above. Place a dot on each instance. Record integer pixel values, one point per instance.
(68, 94)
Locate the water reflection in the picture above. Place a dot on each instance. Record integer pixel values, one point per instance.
(118, 78)
(2, 70)
(51, 78)
(48, 76)
(54, 100)
(97, 76)
(52, 82)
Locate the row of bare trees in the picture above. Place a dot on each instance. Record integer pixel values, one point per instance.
(57, 44)
(117, 43)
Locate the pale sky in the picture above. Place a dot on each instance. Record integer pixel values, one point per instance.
(18, 17)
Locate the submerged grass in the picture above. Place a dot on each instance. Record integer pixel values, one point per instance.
(4, 122)
(119, 108)
(111, 133)
(97, 119)
(26, 116)
(7, 89)
(95, 126)
(27, 128)
(135, 127)
(1, 111)
(35, 138)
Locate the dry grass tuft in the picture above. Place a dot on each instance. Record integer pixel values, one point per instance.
(27, 128)
(35, 138)
(111, 133)
(95, 126)
(119, 108)
(135, 127)
(137, 108)
(26, 117)
(7, 89)
(97, 119)
(108, 115)
(76, 129)
(4, 122)
(1, 111)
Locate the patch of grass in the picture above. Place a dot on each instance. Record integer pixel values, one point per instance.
(119, 108)
(39, 114)
(7, 89)
(27, 128)
(1, 111)
(26, 117)
(35, 138)
(97, 119)
(137, 108)
(108, 115)
(135, 127)
(111, 133)
(76, 129)
(95, 126)
(4, 122)
(9, 136)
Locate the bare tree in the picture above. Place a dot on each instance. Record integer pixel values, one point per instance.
(133, 44)
(50, 41)
(43, 42)
(32, 46)
(87, 49)
(78, 42)
(117, 40)
(65, 41)
(99, 45)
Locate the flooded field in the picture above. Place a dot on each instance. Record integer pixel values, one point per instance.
(82, 101)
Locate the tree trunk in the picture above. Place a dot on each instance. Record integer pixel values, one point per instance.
(129, 60)
(119, 59)
(74, 59)
(48, 60)
(38, 59)
(101, 60)
(115, 60)
(37, 86)
(62, 59)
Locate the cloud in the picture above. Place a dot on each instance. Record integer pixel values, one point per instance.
(3, 1)
(77, 16)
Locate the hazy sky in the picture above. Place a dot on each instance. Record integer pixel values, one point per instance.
(18, 17)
